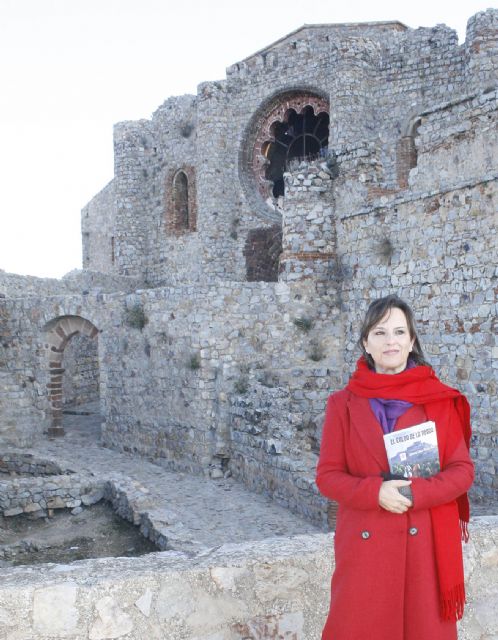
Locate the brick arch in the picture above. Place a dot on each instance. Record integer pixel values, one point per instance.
(57, 334)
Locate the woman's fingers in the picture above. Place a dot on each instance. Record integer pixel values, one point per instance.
(391, 499)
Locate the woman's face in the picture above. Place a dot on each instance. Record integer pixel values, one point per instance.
(389, 342)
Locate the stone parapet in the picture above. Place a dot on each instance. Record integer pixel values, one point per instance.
(278, 587)
(78, 281)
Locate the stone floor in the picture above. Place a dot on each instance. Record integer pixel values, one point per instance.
(213, 511)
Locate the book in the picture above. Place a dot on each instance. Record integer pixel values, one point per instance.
(413, 452)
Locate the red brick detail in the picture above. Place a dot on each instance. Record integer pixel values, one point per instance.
(304, 255)
(174, 220)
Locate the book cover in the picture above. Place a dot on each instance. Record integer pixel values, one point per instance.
(413, 452)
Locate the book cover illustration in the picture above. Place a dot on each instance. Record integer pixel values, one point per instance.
(413, 452)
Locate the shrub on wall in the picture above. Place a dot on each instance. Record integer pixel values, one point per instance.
(135, 317)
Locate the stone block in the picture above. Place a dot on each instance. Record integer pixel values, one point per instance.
(111, 621)
(275, 582)
(144, 603)
(226, 578)
(32, 507)
(284, 625)
(92, 497)
(56, 502)
(54, 610)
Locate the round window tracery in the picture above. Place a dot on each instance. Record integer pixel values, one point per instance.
(297, 127)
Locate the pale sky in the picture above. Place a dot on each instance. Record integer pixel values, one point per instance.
(70, 69)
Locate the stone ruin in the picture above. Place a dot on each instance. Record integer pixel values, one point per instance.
(227, 264)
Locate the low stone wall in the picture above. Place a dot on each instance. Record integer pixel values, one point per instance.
(78, 281)
(27, 464)
(277, 588)
(39, 496)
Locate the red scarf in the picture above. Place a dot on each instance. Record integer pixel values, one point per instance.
(449, 409)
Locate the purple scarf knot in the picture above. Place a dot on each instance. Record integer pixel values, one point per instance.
(388, 411)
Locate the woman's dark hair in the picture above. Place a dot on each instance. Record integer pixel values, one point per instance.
(375, 312)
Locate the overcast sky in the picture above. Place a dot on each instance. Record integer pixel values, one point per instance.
(70, 69)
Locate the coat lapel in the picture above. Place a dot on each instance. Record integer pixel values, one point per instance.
(367, 429)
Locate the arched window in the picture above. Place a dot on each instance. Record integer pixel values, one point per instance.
(298, 135)
(180, 197)
(406, 153)
(289, 126)
(181, 201)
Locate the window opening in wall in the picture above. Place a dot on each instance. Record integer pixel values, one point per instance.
(180, 196)
(80, 380)
(86, 249)
(413, 155)
(298, 136)
(407, 155)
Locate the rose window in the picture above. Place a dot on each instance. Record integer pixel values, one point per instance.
(296, 129)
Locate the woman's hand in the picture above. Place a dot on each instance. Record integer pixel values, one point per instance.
(391, 499)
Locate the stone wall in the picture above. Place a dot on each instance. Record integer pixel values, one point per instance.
(275, 588)
(481, 50)
(148, 153)
(234, 348)
(435, 246)
(39, 496)
(16, 464)
(13, 285)
(378, 79)
(176, 366)
(98, 233)
(81, 372)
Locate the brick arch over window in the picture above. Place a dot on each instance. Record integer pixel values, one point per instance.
(406, 152)
(181, 201)
(57, 334)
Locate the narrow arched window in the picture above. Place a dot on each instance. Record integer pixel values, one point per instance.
(180, 197)
(180, 214)
(406, 156)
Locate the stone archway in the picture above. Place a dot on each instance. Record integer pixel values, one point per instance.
(57, 334)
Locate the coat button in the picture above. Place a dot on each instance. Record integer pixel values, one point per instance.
(365, 535)
(413, 531)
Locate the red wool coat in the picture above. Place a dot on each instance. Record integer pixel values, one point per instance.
(385, 585)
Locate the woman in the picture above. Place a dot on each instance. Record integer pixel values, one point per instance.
(398, 556)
